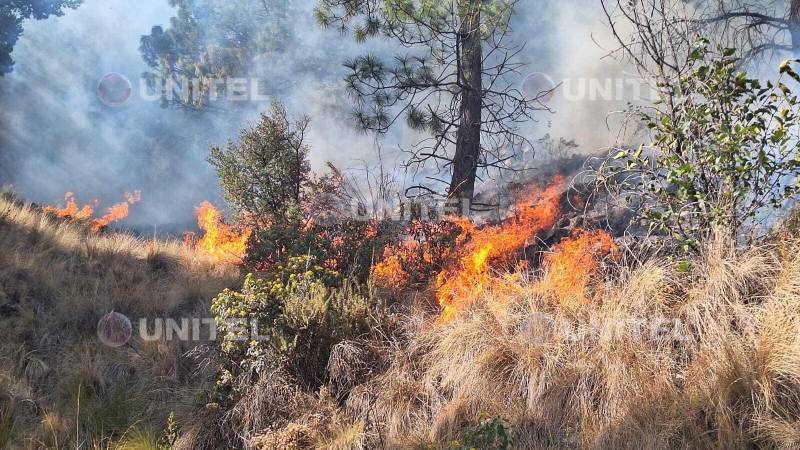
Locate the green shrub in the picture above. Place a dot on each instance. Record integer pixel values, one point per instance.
(723, 151)
(348, 246)
(299, 312)
(490, 434)
(267, 171)
(266, 179)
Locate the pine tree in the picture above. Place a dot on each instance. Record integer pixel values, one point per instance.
(456, 81)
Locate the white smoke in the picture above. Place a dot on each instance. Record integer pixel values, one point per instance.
(61, 137)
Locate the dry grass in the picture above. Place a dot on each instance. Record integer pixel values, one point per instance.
(656, 357)
(715, 364)
(56, 280)
(321, 425)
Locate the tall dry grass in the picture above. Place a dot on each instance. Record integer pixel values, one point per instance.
(59, 386)
(661, 356)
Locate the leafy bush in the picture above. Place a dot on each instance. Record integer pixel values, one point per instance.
(294, 315)
(490, 434)
(267, 180)
(723, 151)
(347, 246)
(267, 171)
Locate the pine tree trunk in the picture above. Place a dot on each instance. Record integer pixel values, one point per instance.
(468, 136)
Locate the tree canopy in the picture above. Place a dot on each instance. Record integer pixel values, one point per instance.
(455, 81)
(212, 39)
(14, 12)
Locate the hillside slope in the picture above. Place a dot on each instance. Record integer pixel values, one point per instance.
(58, 381)
(685, 352)
(689, 352)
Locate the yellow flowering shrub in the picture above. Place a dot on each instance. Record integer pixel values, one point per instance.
(249, 319)
(291, 317)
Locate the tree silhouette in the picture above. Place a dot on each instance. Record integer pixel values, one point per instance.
(210, 40)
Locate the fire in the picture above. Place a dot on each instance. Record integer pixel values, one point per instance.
(84, 213)
(71, 211)
(572, 263)
(220, 241)
(426, 249)
(390, 271)
(117, 212)
(491, 256)
(495, 247)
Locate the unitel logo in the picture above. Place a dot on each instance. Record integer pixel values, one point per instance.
(114, 329)
(538, 87)
(114, 89)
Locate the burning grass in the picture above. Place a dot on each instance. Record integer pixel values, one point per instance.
(653, 357)
(581, 344)
(572, 262)
(115, 213)
(484, 250)
(482, 256)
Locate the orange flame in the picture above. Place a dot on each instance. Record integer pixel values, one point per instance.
(117, 212)
(426, 249)
(220, 241)
(71, 211)
(114, 213)
(572, 263)
(489, 256)
(389, 272)
(495, 247)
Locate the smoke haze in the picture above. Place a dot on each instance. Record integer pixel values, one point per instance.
(57, 136)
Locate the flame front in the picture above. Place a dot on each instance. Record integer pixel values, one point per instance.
(114, 213)
(220, 241)
(71, 211)
(490, 257)
(495, 247)
(117, 212)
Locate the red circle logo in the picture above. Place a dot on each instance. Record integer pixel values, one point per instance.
(114, 89)
(114, 329)
(538, 87)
